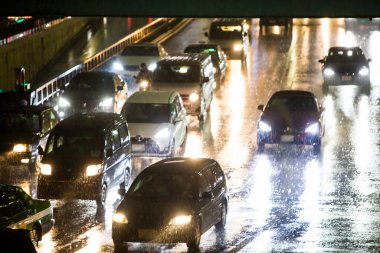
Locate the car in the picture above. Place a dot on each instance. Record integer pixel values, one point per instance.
(233, 36)
(17, 240)
(172, 201)
(85, 156)
(346, 66)
(291, 117)
(92, 91)
(157, 122)
(127, 63)
(276, 21)
(20, 211)
(218, 57)
(192, 76)
(22, 130)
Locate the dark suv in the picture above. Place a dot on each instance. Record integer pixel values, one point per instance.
(85, 155)
(22, 129)
(174, 200)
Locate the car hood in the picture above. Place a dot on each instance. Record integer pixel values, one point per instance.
(91, 99)
(280, 120)
(147, 130)
(137, 60)
(155, 212)
(181, 88)
(346, 67)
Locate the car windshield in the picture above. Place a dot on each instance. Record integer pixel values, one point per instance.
(292, 104)
(147, 113)
(176, 73)
(164, 185)
(92, 83)
(78, 144)
(225, 31)
(211, 51)
(346, 56)
(19, 122)
(140, 51)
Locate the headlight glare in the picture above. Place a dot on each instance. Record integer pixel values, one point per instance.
(120, 218)
(193, 97)
(328, 72)
(62, 102)
(93, 170)
(117, 66)
(45, 169)
(19, 148)
(364, 71)
(144, 84)
(312, 129)
(180, 220)
(238, 47)
(152, 66)
(264, 127)
(107, 102)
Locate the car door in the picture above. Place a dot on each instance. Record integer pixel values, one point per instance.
(206, 204)
(19, 212)
(218, 190)
(125, 151)
(179, 122)
(118, 157)
(49, 119)
(120, 93)
(207, 86)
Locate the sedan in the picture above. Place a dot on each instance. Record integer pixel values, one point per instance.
(345, 66)
(172, 201)
(291, 117)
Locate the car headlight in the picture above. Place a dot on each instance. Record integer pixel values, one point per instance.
(328, 72)
(45, 169)
(117, 66)
(264, 127)
(107, 102)
(364, 71)
(62, 102)
(180, 220)
(20, 148)
(152, 66)
(120, 218)
(238, 47)
(312, 129)
(93, 170)
(193, 97)
(144, 84)
(162, 134)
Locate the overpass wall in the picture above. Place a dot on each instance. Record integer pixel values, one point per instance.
(36, 50)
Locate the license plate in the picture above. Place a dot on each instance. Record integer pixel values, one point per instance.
(148, 234)
(346, 78)
(138, 147)
(287, 138)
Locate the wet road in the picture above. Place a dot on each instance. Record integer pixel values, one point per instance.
(287, 199)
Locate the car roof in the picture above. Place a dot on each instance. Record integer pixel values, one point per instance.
(152, 97)
(89, 121)
(286, 93)
(33, 109)
(185, 58)
(228, 21)
(180, 165)
(203, 45)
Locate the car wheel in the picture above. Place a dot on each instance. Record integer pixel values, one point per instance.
(35, 235)
(101, 199)
(120, 247)
(223, 217)
(195, 237)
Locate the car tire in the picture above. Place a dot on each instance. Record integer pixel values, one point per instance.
(101, 199)
(195, 237)
(223, 217)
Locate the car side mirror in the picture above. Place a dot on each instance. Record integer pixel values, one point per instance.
(206, 34)
(109, 152)
(321, 60)
(260, 107)
(206, 79)
(40, 150)
(207, 195)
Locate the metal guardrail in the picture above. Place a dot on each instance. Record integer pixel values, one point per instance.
(51, 89)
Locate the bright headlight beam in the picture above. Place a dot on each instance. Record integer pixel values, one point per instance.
(19, 148)
(117, 66)
(162, 134)
(238, 47)
(312, 129)
(264, 127)
(364, 71)
(120, 218)
(93, 170)
(107, 102)
(180, 220)
(193, 97)
(62, 102)
(46, 169)
(328, 72)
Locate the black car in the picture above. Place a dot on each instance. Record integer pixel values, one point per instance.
(291, 117)
(173, 200)
(85, 155)
(345, 66)
(93, 91)
(22, 130)
(218, 57)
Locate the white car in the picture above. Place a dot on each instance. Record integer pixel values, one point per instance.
(157, 122)
(127, 63)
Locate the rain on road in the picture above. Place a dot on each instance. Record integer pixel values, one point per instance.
(287, 199)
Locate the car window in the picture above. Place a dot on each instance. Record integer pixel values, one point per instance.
(16, 205)
(225, 31)
(116, 142)
(204, 185)
(124, 134)
(218, 173)
(146, 113)
(176, 73)
(292, 103)
(49, 120)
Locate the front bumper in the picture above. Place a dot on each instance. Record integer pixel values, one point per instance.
(76, 189)
(346, 79)
(277, 137)
(168, 234)
(145, 146)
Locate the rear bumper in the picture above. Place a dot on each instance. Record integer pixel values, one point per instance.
(150, 147)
